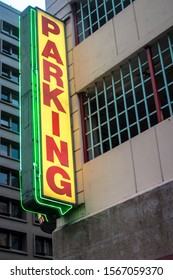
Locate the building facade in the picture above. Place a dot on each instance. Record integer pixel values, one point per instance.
(120, 63)
(20, 233)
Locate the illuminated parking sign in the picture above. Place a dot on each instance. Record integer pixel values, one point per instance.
(47, 169)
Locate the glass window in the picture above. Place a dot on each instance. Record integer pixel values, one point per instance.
(10, 73)
(10, 29)
(10, 49)
(14, 151)
(16, 242)
(4, 150)
(4, 208)
(9, 177)
(17, 211)
(39, 246)
(43, 246)
(9, 149)
(12, 208)
(4, 177)
(15, 179)
(15, 99)
(12, 240)
(10, 96)
(9, 121)
(15, 124)
(5, 120)
(4, 239)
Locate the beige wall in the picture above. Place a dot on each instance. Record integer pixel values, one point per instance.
(126, 33)
(144, 162)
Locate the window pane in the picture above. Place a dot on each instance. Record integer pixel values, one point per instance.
(14, 180)
(5, 71)
(39, 246)
(4, 151)
(16, 242)
(17, 211)
(15, 125)
(10, 29)
(10, 49)
(15, 100)
(3, 207)
(4, 178)
(15, 152)
(48, 248)
(5, 120)
(6, 27)
(5, 94)
(3, 239)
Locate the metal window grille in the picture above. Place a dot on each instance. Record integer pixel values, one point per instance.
(123, 104)
(90, 15)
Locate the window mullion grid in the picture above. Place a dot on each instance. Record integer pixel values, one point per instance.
(125, 104)
(84, 137)
(170, 47)
(82, 20)
(106, 15)
(89, 14)
(97, 13)
(90, 126)
(107, 113)
(144, 92)
(122, 4)
(134, 97)
(116, 108)
(165, 79)
(113, 7)
(98, 117)
(171, 52)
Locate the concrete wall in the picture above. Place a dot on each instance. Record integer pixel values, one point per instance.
(140, 228)
(130, 30)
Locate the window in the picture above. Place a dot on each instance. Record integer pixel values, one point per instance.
(4, 177)
(10, 96)
(9, 177)
(9, 121)
(90, 15)
(9, 149)
(123, 104)
(4, 209)
(4, 242)
(10, 29)
(11, 208)
(10, 49)
(10, 73)
(43, 246)
(16, 210)
(35, 219)
(12, 240)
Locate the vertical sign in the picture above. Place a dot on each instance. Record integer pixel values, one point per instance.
(53, 182)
